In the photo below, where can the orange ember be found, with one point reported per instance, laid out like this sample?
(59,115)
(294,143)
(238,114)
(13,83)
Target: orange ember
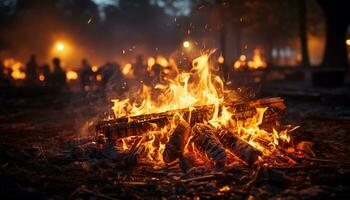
(188,90)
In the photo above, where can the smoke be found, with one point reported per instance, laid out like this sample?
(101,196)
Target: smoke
(35,27)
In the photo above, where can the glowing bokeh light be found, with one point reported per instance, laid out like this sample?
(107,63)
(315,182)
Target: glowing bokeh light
(94,68)
(71,75)
(60,46)
(348,42)
(186,44)
(221,59)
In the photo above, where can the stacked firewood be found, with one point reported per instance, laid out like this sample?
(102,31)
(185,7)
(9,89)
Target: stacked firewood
(208,140)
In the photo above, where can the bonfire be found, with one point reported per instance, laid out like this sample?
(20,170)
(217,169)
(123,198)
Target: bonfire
(192,118)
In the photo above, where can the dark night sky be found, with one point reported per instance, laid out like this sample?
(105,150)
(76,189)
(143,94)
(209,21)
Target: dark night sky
(119,30)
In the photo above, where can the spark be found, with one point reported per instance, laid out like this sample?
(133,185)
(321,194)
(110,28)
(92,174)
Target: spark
(90,20)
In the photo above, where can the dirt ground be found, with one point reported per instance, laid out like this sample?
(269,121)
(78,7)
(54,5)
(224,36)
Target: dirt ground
(33,164)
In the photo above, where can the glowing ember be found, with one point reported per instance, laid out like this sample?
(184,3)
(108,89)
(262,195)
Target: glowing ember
(191,91)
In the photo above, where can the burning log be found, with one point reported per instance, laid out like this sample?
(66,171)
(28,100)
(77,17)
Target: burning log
(131,159)
(206,142)
(240,148)
(137,125)
(174,148)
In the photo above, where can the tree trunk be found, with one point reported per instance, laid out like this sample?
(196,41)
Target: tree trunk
(337,21)
(237,42)
(303,33)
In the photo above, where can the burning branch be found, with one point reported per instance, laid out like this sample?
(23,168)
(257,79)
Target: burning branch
(137,125)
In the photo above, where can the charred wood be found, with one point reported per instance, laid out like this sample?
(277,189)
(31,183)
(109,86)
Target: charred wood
(237,146)
(174,148)
(206,142)
(138,125)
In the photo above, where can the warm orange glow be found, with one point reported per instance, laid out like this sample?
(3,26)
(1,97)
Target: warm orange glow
(162,61)
(242,58)
(41,77)
(225,188)
(71,75)
(186,90)
(62,49)
(150,62)
(258,61)
(186,44)
(16,67)
(17,74)
(240,63)
(221,59)
(60,46)
(128,70)
(99,77)
(348,42)
(94,68)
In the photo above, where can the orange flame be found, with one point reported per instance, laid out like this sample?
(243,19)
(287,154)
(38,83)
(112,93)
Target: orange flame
(187,89)
(16,67)
(257,61)
(128,70)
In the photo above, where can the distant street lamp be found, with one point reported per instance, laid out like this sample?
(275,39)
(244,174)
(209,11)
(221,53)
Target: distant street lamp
(60,46)
(186,44)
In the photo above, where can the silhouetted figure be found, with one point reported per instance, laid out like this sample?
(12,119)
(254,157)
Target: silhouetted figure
(139,68)
(115,84)
(153,76)
(31,71)
(45,71)
(4,81)
(58,75)
(85,75)
(106,71)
